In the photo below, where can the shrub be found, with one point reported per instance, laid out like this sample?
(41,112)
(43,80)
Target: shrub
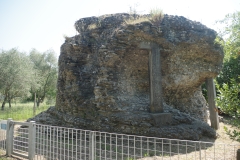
(229,98)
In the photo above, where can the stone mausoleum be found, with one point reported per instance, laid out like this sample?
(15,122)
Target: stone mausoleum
(125,74)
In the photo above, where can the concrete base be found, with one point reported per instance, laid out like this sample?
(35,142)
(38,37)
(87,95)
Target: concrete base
(162,119)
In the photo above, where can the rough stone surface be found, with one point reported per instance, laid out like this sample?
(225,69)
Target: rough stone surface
(183,126)
(103,81)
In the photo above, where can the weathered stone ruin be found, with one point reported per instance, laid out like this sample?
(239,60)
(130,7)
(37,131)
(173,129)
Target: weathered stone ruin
(109,76)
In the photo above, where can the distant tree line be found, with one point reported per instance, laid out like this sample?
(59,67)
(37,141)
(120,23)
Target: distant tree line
(24,75)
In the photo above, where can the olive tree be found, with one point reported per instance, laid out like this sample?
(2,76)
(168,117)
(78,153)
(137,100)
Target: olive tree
(16,75)
(45,65)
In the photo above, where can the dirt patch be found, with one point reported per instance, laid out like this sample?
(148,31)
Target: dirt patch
(222,137)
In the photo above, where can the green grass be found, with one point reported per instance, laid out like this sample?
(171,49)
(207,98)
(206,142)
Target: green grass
(21,111)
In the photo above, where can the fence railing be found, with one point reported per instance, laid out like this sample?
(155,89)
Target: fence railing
(21,141)
(36,141)
(3,128)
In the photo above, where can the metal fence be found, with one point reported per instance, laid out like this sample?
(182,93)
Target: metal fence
(3,126)
(60,143)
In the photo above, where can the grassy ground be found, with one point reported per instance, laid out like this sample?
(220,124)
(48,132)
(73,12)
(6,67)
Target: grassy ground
(21,111)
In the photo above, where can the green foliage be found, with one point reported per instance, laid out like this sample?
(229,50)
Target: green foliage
(228,82)
(16,75)
(231,47)
(235,122)
(146,154)
(230,71)
(232,34)
(235,135)
(229,98)
(45,65)
(22,75)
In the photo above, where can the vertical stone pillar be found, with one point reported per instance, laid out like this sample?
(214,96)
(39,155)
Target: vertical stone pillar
(211,103)
(156,104)
(155,80)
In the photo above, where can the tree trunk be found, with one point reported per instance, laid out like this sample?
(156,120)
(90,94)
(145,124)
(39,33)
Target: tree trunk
(38,103)
(9,102)
(3,105)
(34,107)
(38,100)
(4,102)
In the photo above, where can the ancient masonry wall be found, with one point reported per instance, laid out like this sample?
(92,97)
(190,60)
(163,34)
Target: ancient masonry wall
(103,68)
(104,80)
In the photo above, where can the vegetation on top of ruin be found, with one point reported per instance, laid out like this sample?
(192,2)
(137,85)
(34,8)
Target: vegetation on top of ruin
(155,17)
(133,21)
(92,26)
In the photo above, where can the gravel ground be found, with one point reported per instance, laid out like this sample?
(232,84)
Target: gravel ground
(222,138)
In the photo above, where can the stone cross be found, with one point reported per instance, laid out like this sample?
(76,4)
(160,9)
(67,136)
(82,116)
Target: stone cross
(156,102)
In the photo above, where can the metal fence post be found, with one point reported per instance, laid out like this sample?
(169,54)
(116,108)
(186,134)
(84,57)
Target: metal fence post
(91,145)
(31,140)
(9,138)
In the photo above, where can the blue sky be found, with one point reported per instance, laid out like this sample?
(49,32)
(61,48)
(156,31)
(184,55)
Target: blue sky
(41,24)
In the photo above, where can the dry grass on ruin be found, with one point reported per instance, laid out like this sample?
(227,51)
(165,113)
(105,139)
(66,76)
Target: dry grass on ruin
(155,17)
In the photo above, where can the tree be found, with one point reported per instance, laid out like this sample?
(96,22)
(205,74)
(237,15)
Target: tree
(16,78)
(228,80)
(232,32)
(231,70)
(46,70)
(231,48)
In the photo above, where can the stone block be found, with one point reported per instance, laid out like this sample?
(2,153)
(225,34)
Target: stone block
(162,119)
